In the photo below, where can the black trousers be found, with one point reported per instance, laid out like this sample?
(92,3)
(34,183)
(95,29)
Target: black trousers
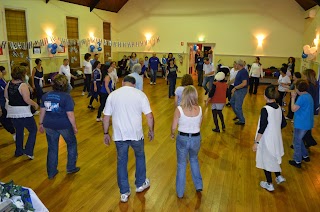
(280,99)
(268,175)
(103,99)
(308,139)
(6,122)
(200,77)
(87,82)
(254,83)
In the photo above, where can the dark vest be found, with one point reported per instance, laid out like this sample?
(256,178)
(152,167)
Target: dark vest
(15,98)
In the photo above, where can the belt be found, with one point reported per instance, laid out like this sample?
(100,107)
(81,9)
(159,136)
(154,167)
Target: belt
(189,134)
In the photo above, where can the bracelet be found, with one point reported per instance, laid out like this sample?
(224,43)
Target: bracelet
(106,133)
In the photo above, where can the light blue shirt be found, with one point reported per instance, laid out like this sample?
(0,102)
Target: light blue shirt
(139,80)
(303,118)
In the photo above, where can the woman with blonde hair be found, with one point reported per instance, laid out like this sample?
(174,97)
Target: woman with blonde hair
(189,117)
(185,81)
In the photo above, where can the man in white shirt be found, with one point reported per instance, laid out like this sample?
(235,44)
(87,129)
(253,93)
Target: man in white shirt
(126,106)
(208,75)
(136,70)
(65,70)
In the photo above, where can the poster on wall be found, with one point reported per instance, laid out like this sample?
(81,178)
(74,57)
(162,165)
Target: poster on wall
(36,50)
(62,49)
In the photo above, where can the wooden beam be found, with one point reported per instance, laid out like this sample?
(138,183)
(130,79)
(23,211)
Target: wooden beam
(93,4)
(47,1)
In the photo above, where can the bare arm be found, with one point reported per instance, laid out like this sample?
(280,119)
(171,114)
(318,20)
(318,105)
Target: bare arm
(175,120)
(106,83)
(176,100)
(32,78)
(150,120)
(243,84)
(42,115)
(105,125)
(72,120)
(294,107)
(25,93)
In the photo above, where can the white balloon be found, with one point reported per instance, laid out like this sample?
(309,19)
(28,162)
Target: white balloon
(306,48)
(59,49)
(307,51)
(313,50)
(95,50)
(311,57)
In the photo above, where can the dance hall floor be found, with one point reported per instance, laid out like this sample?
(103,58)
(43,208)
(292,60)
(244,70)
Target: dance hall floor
(230,178)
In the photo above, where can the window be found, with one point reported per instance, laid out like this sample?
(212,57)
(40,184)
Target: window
(73,48)
(107,36)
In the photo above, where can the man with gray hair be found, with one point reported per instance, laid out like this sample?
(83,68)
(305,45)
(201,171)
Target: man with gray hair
(136,70)
(126,106)
(239,92)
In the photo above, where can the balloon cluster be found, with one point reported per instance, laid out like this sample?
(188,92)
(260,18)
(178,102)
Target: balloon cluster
(54,47)
(195,47)
(309,53)
(96,48)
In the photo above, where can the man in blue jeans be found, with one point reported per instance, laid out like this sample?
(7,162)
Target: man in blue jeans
(126,106)
(154,64)
(239,92)
(208,75)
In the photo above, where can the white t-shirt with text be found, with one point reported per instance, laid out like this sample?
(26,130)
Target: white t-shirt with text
(87,67)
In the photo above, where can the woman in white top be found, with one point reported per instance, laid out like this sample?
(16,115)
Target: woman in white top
(185,81)
(268,140)
(283,82)
(133,60)
(189,117)
(230,82)
(87,70)
(18,109)
(255,73)
(113,74)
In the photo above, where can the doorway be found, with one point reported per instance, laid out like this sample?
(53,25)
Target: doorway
(194,50)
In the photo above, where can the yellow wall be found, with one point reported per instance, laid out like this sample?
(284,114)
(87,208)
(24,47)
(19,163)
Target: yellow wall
(231,24)
(41,16)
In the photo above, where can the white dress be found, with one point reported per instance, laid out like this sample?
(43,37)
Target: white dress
(270,147)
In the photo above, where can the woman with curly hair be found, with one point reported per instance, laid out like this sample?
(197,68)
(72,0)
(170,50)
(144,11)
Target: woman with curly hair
(185,81)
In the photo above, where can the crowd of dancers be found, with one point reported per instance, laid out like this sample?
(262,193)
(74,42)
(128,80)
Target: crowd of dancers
(127,104)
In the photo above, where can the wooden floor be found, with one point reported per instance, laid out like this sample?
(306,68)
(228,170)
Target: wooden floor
(230,178)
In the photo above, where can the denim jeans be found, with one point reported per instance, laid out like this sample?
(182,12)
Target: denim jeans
(53,148)
(172,85)
(298,145)
(153,75)
(69,88)
(237,101)
(205,82)
(187,146)
(20,124)
(122,162)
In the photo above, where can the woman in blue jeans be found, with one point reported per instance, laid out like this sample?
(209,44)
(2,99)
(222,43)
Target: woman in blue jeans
(303,121)
(19,111)
(57,118)
(188,116)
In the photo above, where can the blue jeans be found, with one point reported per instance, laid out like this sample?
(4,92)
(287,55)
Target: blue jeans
(19,124)
(187,146)
(298,145)
(153,75)
(205,82)
(69,88)
(122,171)
(237,102)
(53,148)
(172,85)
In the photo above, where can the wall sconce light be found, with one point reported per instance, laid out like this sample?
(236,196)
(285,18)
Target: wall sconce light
(201,39)
(316,41)
(260,39)
(91,34)
(148,36)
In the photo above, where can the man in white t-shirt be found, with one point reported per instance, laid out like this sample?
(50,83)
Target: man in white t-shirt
(126,106)
(65,70)
(208,75)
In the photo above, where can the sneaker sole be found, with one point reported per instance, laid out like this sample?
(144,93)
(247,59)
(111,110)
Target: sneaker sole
(138,191)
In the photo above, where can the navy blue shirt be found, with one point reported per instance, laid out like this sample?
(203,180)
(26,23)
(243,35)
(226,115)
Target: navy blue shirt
(57,104)
(241,75)
(154,62)
(143,69)
(199,62)
(2,87)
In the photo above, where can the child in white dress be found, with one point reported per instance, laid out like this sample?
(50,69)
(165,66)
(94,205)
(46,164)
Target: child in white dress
(268,141)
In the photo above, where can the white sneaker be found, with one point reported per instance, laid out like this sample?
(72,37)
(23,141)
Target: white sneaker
(280,179)
(99,119)
(144,186)
(154,83)
(14,136)
(36,113)
(151,83)
(82,93)
(30,157)
(267,186)
(125,197)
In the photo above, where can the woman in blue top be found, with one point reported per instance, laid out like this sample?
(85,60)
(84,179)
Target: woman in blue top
(38,80)
(303,121)
(96,85)
(57,118)
(171,76)
(6,122)
(106,89)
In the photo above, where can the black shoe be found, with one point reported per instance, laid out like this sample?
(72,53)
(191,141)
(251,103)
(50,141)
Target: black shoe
(206,92)
(240,123)
(306,159)
(291,147)
(294,163)
(216,130)
(74,170)
(199,190)
(235,118)
(228,104)
(223,127)
(53,176)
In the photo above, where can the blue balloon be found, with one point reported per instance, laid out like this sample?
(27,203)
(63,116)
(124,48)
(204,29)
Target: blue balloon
(50,45)
(53,51)
(195,47)
(54,46)
(99,49)
(92,47)
(304,56)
